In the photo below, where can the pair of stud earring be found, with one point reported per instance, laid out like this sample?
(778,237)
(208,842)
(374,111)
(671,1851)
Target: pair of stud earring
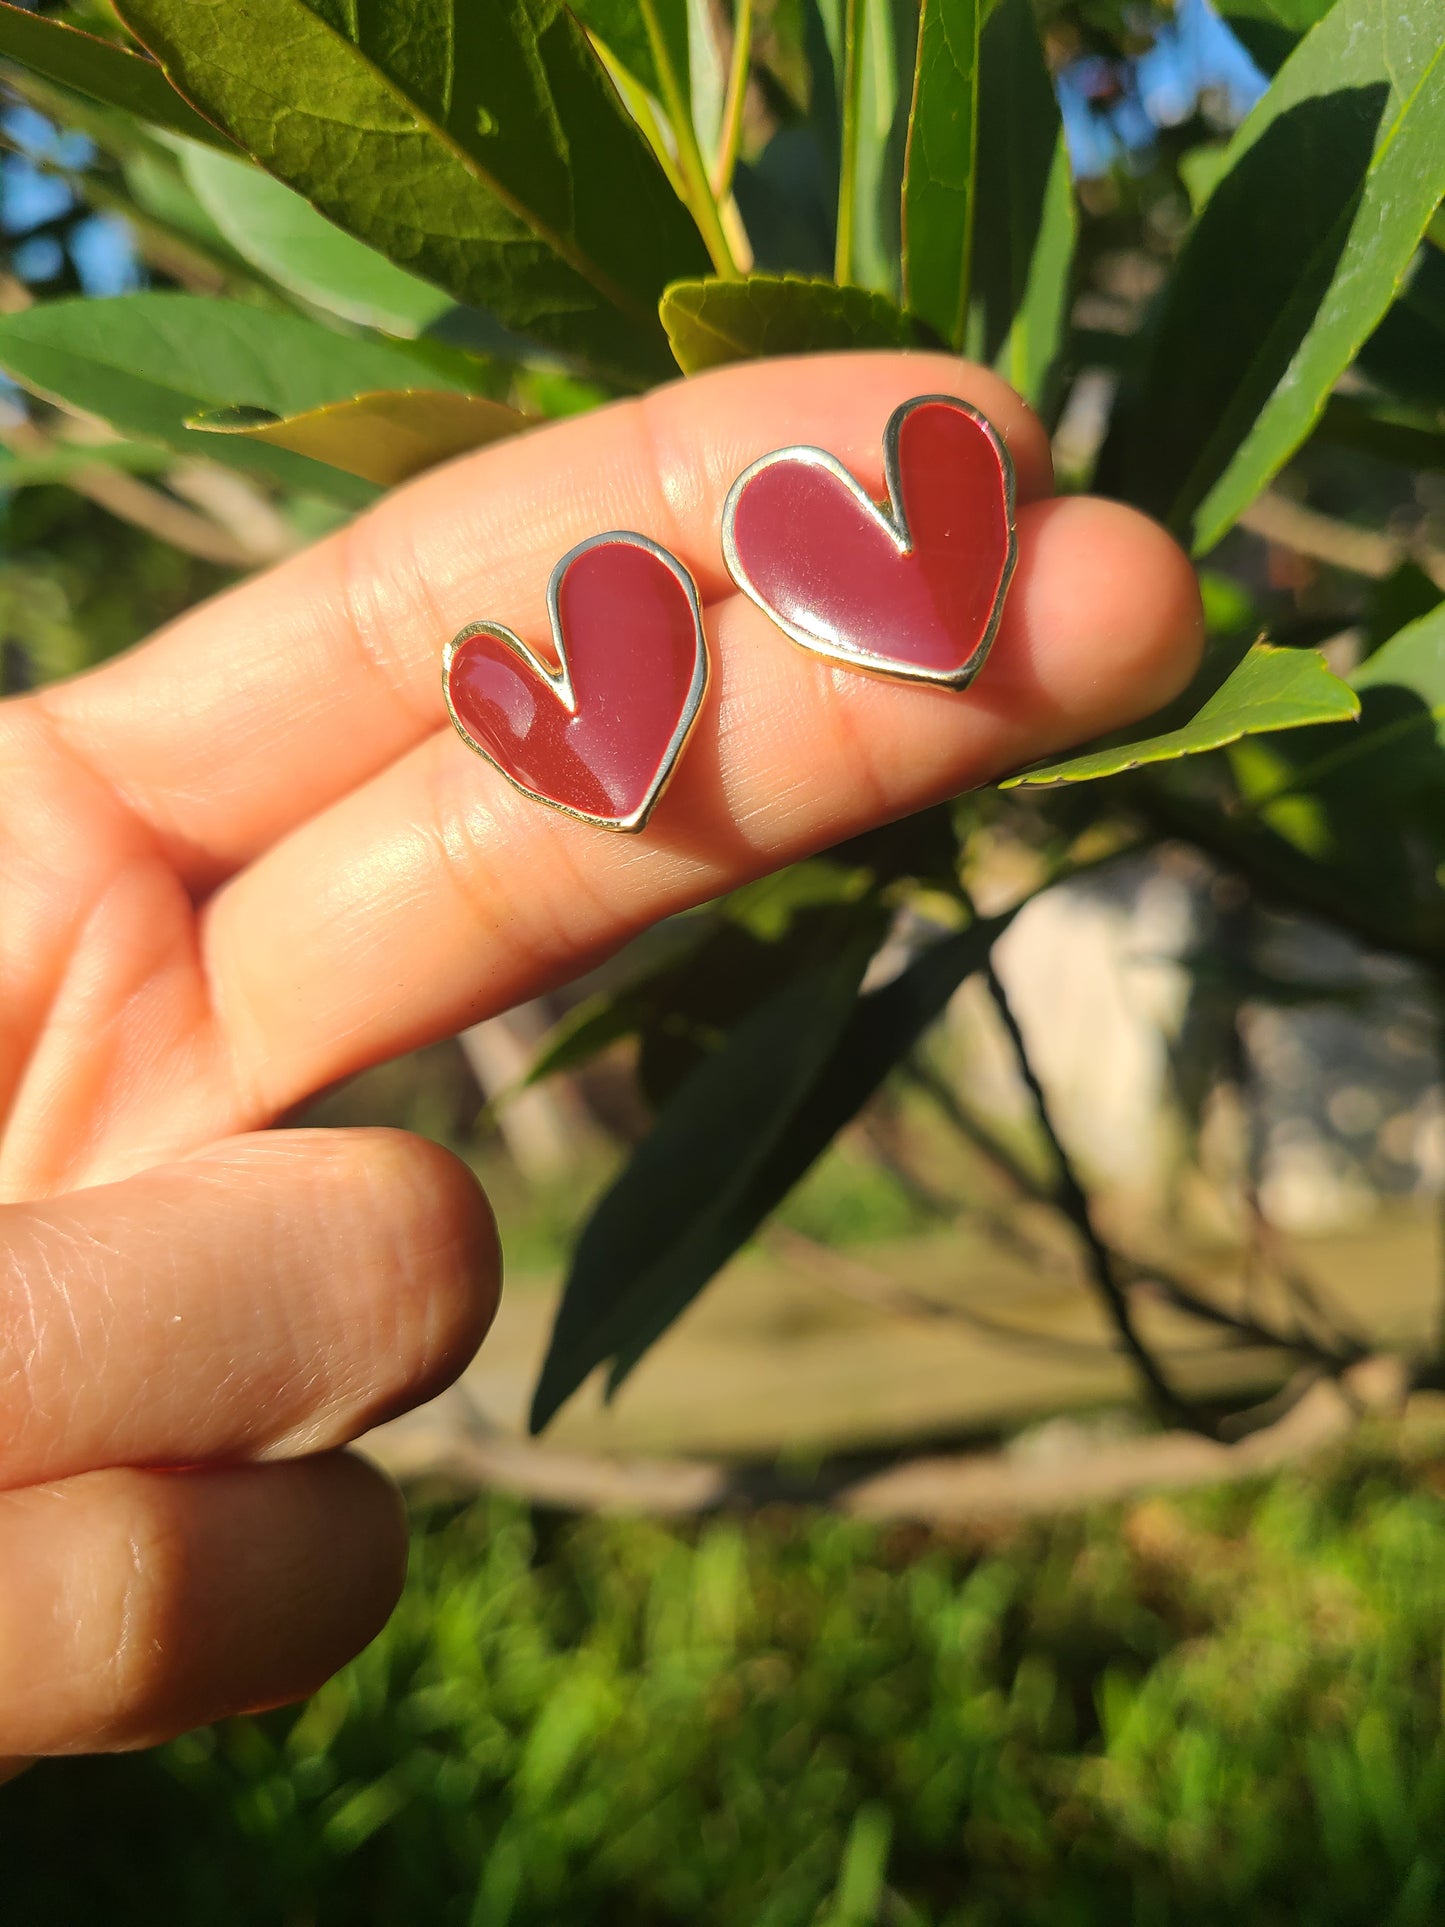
(911,589)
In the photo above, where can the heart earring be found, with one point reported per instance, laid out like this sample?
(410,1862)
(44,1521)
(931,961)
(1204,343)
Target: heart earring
(599,735)
(913,589)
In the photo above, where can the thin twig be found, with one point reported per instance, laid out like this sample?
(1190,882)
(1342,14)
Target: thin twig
(136,502)
(866,1285)
(1071,1200)
(1129,1271)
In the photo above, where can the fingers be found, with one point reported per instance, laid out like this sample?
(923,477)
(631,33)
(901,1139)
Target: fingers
(435,894)
(267,1297)
(257,709)
(135,1605)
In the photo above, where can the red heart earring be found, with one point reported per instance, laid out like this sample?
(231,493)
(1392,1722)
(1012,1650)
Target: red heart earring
(914,589)
(600,734)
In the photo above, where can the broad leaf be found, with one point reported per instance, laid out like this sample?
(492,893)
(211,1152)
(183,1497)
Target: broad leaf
(487,153)
(147,363)
(1023,246)
(939,187)
(383,437)
(712,322)
(668,1222)
(1297,255)
(1271,689)
(101,71)
(880,1032)
(278,232)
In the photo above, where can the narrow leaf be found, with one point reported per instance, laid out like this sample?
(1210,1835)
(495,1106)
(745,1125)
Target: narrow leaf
(383,437)
(275,230)
(883,1028)
(939,178)
(873,128)
(1271,689)
(667,1223)
(712,322)
(1296,256)
(147,363)
(101,71)
(487,153)
(1406,353)
(1409,437)
(1349,824)
(1025,225)
(830,1050)
(619,25)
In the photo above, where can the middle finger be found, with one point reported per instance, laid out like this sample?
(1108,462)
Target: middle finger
(268,1297)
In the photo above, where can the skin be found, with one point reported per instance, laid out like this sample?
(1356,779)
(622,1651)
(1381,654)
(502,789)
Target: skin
(251,857)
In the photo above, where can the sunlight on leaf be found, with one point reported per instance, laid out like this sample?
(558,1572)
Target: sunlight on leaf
(384,437)
(1271,689)
(712,322)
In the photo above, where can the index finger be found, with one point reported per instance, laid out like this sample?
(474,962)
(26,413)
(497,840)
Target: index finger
(257,709)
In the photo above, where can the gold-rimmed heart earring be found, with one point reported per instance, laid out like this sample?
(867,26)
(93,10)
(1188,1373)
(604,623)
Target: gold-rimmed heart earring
(598,734)
(912,588)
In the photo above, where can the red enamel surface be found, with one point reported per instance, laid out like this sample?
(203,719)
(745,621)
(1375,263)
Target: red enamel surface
(829,570)
(632,650)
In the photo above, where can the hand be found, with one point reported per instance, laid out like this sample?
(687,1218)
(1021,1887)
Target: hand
(252,857)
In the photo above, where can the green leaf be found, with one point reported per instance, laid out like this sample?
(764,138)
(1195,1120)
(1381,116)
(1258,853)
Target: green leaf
(1349,824)
(282,235)
(881,1030)
(939,179)
(671,1219)
(1025,227)
(384,437)
(1405,436)
(872,53)
(101,71)
(1297,16)
(1401,598)
(1271,689)
(1406,354)
(620,26)
(481,147)
(147,363)
(755,939)
(1299,251)
(712,322)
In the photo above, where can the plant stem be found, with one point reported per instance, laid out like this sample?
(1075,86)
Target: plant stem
(848,157)
(737,93)
(1075,1206)
(699,196)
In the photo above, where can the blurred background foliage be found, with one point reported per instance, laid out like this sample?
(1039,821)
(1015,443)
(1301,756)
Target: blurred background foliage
(1226,1707)
(1111,1090)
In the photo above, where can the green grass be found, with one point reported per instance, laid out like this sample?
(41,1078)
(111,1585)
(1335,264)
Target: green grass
(1225,1709)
